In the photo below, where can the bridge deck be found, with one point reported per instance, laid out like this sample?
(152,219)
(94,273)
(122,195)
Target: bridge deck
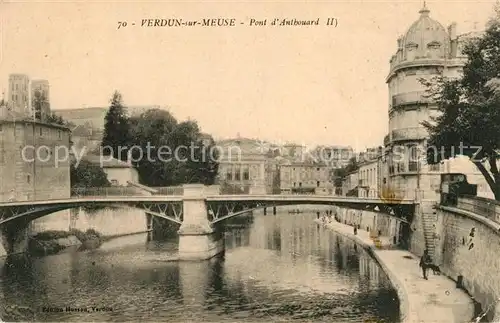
(212,198)
(307,198)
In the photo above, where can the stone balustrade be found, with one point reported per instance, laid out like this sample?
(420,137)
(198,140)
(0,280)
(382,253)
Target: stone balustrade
(487,208)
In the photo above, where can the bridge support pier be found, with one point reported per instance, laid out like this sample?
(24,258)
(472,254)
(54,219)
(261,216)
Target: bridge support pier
(197,239)
(15,239)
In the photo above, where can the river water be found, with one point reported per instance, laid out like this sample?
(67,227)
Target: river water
(277,268)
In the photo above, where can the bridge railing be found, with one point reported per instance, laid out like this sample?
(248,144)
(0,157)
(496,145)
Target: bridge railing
(390,194)
(106,191)
(481,206)
(169,190)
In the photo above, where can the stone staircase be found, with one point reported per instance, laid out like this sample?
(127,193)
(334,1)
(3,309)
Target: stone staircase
(429,220)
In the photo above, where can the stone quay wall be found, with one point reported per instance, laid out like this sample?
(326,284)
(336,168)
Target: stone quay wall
(475,258)
(469,247)
(404,304)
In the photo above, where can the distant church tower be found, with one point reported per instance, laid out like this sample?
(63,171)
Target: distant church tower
(426,50)
(18,96)
(40,92)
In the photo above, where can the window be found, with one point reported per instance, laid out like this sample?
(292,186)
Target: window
(237,176)
(294,184)
(17,87)
(59,134)
(28,178)
(434,167)
(41,131)
(300,184)
(246,175)
(317,169)
(2,152)
(229,176)
(114,182)
(317,184)
(434,45)
(413,162)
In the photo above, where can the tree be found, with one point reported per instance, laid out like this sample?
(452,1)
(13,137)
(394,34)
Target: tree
(469,119)
(202,165)
(87,175)
(116,129)
(151,129)
(56,119)
(352,166)
(178,153)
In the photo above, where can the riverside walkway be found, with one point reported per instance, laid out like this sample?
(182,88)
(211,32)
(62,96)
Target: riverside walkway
(433,300)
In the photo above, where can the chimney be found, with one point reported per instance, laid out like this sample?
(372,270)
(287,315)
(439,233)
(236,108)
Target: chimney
(452,30)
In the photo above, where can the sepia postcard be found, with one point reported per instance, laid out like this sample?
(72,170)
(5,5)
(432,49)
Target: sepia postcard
(238,161)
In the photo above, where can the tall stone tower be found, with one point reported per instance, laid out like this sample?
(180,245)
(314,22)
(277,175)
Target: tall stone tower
(426,50)
(19,93)
(40,98)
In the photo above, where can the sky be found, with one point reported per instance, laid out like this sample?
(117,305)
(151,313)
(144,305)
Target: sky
(312,85)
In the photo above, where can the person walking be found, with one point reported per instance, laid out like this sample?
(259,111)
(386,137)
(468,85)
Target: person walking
(425,261)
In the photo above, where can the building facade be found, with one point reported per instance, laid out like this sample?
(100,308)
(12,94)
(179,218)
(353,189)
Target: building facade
(28,98)
(425,51)
(350,184)
(334,156)
(302,178)
(368,178)
(19,93)
(119,173)
(35,165)
(242,166)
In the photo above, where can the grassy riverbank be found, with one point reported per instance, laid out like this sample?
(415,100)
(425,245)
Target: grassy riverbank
(51,242)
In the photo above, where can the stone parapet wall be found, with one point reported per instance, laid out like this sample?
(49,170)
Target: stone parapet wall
(374,222)
(476,258)
(109,222)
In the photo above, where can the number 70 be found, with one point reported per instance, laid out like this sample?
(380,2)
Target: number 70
(122,24)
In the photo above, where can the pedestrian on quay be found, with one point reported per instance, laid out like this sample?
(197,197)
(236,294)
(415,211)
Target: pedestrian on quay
(425,261)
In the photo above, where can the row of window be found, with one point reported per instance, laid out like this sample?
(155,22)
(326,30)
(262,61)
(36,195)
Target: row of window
(300,184)
(41,132)
(368,176)
(15,97)
(303,169)
(237,176)
(401,167)
(15,86)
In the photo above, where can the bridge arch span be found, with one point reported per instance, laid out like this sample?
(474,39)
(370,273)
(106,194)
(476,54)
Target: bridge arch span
(25,213)
(219,211)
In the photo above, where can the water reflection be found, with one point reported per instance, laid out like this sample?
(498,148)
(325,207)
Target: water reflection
(282,267)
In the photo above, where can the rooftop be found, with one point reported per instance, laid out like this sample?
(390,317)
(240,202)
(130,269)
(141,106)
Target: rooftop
(106,161)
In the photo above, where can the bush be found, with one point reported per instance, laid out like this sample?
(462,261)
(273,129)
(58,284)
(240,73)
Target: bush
(51,235)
